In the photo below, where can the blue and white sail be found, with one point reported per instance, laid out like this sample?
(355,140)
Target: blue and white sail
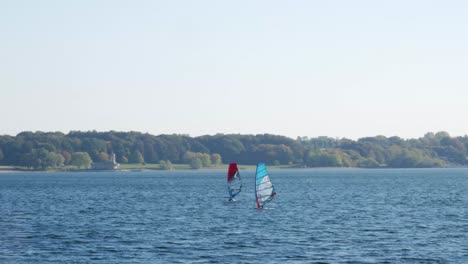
(264,190)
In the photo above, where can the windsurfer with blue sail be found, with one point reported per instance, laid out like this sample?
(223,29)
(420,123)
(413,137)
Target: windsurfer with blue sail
(234,183)
(264,190)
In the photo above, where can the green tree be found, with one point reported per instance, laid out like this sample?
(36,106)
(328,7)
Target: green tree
(205,159)
(441,134)
(196,164)
(189,156)
(136,157)
(368,163)
(81,159)
(228,146)
(59,160)
(67,157)
(40,159)
(165,165)
(39,150)
(53,160)
(324,159)
(103,156)
(150,156)
(216,159)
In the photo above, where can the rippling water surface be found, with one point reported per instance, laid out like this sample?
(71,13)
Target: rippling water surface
(319,216)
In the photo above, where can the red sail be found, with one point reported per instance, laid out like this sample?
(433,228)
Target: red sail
(231,171)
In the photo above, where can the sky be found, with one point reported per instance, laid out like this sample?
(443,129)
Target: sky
(344,69)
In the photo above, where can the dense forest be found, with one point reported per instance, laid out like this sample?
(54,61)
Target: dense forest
(41,150)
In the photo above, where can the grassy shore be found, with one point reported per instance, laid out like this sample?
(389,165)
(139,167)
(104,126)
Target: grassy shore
(7,168)
(152,166)
(130,167)
(187,167)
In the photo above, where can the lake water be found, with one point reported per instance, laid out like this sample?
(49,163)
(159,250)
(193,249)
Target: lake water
(318,216)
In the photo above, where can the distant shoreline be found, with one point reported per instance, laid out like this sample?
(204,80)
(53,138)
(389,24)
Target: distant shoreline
(218,168)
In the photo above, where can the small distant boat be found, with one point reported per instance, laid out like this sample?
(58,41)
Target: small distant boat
(234,182)
(264,190)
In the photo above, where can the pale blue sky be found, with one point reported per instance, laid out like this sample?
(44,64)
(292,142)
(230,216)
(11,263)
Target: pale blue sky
(294,68)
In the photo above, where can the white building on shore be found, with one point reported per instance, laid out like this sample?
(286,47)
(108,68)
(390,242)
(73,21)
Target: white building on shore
(111,164)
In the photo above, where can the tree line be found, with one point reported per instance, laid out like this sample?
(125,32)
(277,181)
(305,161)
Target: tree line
(40,150)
